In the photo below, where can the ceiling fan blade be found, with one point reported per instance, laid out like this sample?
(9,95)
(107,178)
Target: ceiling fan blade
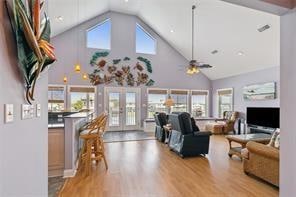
(205,66)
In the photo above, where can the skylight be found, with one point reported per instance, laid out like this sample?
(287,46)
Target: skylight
(145,43)
(99,36)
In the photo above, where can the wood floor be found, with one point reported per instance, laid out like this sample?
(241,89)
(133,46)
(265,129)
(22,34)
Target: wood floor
(148,168)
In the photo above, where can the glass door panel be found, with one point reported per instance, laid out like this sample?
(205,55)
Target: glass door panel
(130,109)
(123,105)
(114,109)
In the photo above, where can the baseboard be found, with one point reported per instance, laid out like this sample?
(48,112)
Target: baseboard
(71,172)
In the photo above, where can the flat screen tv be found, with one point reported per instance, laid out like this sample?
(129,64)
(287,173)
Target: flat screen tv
(263,117)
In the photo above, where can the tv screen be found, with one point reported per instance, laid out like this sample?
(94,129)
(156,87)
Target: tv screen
(264,117)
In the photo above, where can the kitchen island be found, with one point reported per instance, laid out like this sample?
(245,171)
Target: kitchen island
(63,143)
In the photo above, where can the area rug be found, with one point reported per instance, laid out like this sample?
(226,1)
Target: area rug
(123,136)
(55,184)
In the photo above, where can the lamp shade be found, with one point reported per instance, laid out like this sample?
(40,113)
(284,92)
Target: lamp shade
(77,68)
(169,102)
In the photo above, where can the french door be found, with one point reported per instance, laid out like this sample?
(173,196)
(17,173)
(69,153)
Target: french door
(123,107)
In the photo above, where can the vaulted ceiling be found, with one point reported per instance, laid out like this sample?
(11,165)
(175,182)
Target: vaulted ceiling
(230,29)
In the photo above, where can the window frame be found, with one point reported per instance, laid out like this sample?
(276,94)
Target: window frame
(149,34)
(163,89)
(188,108)
(207,102)
(218,100)
(95,26)
(81,86)
(65,94)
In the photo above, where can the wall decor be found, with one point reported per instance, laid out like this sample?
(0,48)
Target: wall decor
(32,34)
(28,111)
(120,71)
(264,91)
(9,113)
(38,110)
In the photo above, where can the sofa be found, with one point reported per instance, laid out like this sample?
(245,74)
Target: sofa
(160,121)
(184,140)
(262,161)
(224,125)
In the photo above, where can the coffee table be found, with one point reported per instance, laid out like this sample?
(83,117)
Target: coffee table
(243,140)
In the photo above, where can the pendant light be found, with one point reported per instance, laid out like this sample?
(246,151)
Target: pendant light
(84,76)
(77,66)
(65,79)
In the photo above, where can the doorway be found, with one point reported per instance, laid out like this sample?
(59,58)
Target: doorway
(123,107)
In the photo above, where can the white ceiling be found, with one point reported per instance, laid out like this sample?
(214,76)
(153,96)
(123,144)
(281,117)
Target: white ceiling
(221,26)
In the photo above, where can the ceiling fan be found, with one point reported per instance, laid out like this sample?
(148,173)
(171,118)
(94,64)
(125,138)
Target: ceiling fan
(194,66)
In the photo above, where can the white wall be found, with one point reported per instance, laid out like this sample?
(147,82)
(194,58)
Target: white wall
(238,82)
(23,143)
(166,70)
(288,105)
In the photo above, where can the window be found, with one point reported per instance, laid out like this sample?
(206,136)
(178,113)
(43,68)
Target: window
(82,98)
(180,98)
(199,103)
(145,43)
(56,98)
(225,98)
(156,99)
(99,37)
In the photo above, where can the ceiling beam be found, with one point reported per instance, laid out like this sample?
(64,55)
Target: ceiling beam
(283,3)
(262,5)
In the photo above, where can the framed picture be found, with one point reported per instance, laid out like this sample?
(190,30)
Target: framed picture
(9,113)
(28,111)
(264,91)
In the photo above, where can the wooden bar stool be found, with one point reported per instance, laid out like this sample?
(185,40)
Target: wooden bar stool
(93,145)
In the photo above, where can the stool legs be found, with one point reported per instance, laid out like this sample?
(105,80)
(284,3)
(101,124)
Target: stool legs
(90,147)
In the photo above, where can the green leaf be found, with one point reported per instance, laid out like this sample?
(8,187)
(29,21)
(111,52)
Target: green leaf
(45,35)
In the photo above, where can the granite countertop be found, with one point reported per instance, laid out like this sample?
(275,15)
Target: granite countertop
(56,125)
(79,115)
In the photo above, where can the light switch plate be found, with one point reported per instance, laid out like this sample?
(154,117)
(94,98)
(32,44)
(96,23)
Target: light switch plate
(9,113)
(38,110)
(28,111)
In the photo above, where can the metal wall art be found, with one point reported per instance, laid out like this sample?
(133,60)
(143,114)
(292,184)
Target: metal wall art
(32,36)
(120,71)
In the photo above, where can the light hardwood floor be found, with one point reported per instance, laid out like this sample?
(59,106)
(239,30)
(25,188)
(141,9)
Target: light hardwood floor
(149,168)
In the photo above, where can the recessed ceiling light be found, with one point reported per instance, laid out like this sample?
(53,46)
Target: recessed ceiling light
(240,53)
(126,1)
(172,31)
(59,18)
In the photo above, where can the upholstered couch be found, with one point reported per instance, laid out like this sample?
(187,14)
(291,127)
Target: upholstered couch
(225,125)
(184,140)
(262,161)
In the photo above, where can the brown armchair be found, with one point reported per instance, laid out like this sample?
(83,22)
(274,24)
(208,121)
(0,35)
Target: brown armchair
(262,161)
(225,125)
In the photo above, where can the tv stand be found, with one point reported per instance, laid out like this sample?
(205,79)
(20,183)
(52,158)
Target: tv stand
(258,129)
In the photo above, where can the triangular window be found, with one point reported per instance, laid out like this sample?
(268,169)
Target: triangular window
(145,43)
(99,36)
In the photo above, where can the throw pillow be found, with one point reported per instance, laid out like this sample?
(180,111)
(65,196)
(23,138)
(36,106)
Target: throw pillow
(273,138)
(277,142)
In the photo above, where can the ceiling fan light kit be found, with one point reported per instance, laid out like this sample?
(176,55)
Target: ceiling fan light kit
(195,66)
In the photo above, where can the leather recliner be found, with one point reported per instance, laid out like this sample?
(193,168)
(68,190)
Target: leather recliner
(160,120)
(184,140)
